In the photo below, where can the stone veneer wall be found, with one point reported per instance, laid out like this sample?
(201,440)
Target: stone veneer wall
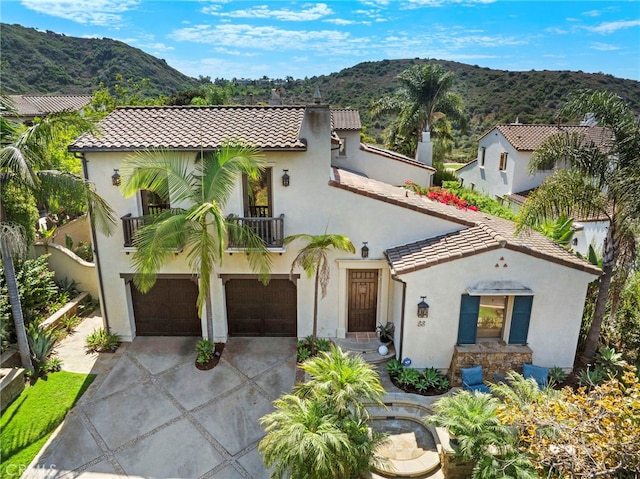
(494,357)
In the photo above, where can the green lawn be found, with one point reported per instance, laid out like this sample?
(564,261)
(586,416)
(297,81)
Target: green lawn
(454,166)
(29,421)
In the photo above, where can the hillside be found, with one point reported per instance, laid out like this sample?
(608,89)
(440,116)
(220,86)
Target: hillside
(47,62)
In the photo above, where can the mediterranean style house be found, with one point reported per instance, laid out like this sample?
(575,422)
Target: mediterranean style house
(501,171)
(485,295)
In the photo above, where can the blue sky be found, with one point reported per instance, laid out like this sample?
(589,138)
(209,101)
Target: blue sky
(249,39)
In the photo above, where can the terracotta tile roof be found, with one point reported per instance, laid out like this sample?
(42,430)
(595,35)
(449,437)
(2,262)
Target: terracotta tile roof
(41,105)
(195,127)
(345,119)
(529,137)
(394,156)
(479,231)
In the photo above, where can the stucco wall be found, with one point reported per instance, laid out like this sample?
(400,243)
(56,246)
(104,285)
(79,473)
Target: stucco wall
(555,316)
(66,265)
(79,230)
(378,167)
(492,182)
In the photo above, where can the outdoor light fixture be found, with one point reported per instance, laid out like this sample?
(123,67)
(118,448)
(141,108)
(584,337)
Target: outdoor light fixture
(285,178)
(115,178)
(423,308)
(365,250)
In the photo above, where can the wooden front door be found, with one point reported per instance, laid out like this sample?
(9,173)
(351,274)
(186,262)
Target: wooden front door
(363,300)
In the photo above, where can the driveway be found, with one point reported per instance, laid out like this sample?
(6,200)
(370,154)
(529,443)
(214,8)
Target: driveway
(156,416)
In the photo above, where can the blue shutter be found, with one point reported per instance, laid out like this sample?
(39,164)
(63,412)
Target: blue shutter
(468,324)
(520,319)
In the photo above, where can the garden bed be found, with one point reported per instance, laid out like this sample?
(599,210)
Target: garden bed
(68,310)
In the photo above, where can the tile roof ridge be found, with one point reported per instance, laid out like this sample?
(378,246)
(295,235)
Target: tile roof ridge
(210,107)
(501,240)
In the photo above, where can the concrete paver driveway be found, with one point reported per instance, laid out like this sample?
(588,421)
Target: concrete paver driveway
(156,416)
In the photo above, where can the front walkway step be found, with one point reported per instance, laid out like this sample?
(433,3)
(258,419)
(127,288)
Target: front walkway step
(368,350)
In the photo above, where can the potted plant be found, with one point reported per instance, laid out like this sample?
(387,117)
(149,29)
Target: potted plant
(385,332)
(208,354)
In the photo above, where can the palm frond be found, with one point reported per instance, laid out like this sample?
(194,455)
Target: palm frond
(53,182)
(166,173)
(563,193)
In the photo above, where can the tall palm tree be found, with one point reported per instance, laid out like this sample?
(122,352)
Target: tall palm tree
(12,244)
(592,180)
(423,100)
(313,258)
(24,159)
(200,227)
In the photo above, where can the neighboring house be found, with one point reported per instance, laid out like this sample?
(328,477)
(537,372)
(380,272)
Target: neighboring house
(501,171)
(28,107)
(495,299)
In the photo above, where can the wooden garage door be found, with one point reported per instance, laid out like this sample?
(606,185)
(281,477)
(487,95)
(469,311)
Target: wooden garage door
(168,309)
(254,309)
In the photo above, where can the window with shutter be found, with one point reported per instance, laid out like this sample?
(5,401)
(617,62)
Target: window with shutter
(468,324)
(520,319)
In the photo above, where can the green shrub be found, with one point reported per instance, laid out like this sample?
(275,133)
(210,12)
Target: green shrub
(394,367)
(101,341)
(590,378)
(205,349)
(484,203)
(42,343)
(408,377)
(19,206)
(556,376)
(69,323)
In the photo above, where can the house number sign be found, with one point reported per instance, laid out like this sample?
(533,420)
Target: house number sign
(421,324)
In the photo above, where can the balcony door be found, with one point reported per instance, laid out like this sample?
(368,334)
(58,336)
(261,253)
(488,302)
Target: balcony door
(258,195)
(152,203)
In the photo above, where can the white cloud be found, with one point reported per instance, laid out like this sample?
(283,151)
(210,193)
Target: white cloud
(94,12)
(309,12)
(592,13)
(612,27)
(604,47)
(265,38)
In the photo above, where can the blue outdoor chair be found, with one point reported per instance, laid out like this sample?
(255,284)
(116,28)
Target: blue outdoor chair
(538,373)
(473,379)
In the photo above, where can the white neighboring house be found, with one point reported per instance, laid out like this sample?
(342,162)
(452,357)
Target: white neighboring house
(495,299)
(501,171)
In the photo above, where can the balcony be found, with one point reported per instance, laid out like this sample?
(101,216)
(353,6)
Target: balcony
(271,230)
(131,224)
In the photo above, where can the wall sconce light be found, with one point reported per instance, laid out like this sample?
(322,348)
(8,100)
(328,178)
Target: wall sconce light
(285,178)
(423,308)
(365,250)
(115,178)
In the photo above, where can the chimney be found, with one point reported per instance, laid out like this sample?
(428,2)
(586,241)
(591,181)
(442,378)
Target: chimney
(424,152)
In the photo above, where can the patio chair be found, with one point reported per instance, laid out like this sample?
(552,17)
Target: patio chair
(538,373)
(473,379)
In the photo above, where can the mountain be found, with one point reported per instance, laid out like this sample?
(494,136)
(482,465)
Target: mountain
(47,62)
(51,63)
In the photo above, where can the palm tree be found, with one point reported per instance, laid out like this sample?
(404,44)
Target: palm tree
(24,159)
(12,244)
(593,180)
(344,380)
(320,431)
(313,259)
(423,100)
(201,227)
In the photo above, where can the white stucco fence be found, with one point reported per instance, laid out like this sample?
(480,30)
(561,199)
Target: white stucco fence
(67,265)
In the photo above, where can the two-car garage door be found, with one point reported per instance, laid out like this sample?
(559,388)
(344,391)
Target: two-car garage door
(253,309)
